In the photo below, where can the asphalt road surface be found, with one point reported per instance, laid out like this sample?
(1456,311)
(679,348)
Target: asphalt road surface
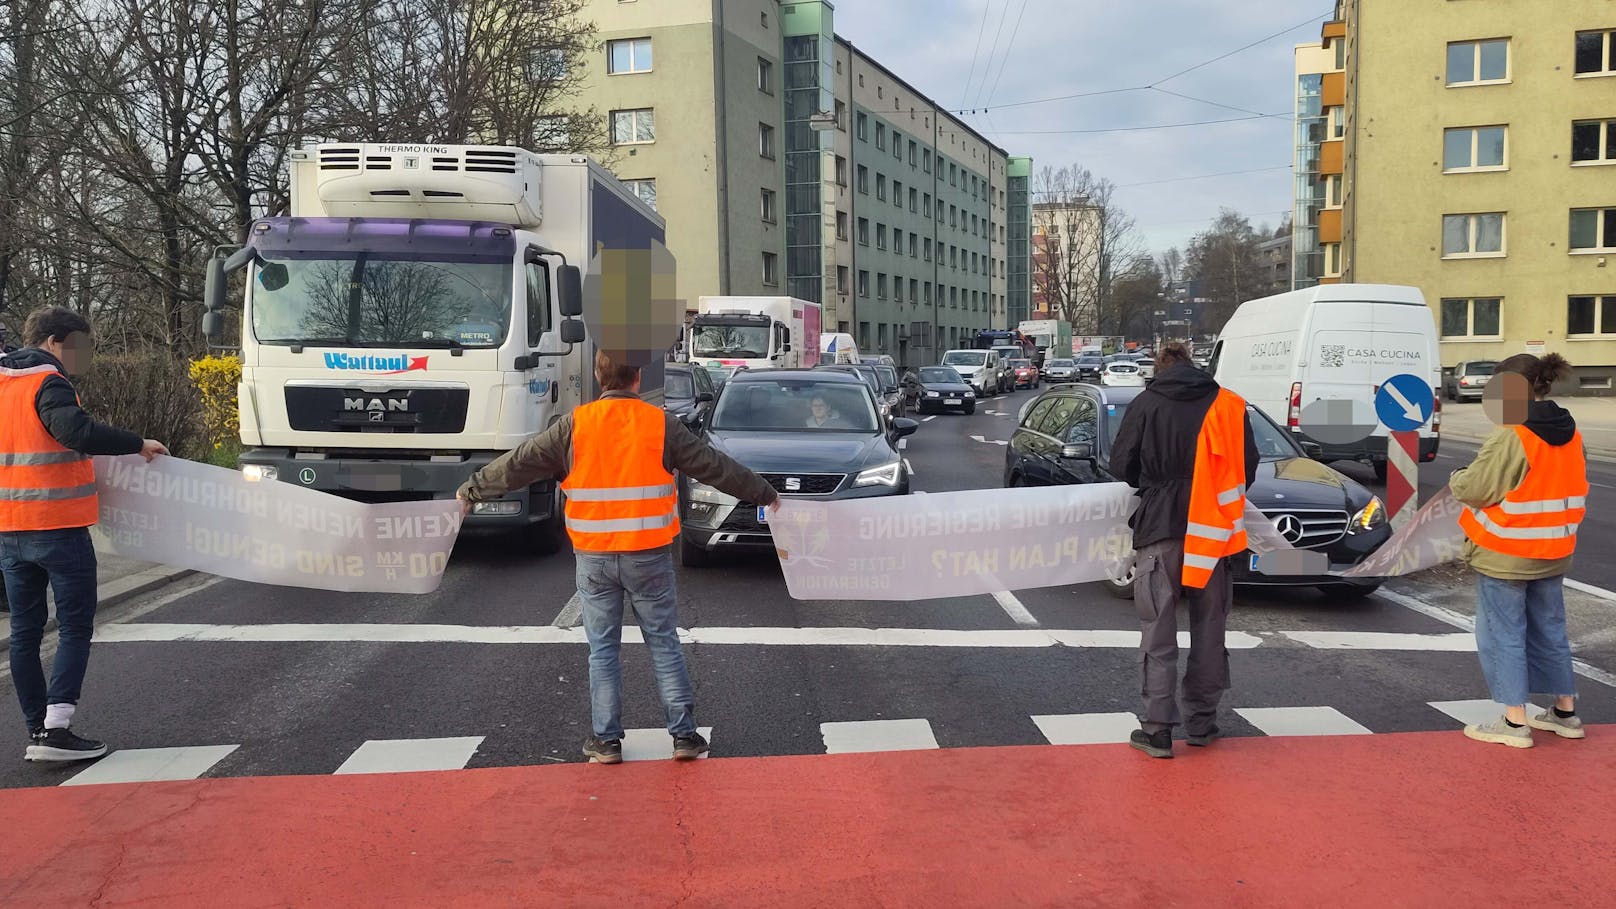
(220,678)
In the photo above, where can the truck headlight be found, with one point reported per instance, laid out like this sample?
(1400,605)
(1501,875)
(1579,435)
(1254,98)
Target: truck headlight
(1370,516)
(505,508)
(254,473)
(885,475)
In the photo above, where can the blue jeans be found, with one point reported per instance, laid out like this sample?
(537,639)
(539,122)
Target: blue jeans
(1521,638)
(64,560)
(647,577)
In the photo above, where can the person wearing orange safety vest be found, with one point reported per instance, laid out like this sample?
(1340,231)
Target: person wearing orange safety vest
(47,505)
(1524,495)
(618,457)
(1186,445)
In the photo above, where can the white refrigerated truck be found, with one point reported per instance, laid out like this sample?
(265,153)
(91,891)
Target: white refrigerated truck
(755,332)
(417,314)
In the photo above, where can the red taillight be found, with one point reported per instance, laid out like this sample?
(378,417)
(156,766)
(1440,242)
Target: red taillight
(1293,420)
(1436,414)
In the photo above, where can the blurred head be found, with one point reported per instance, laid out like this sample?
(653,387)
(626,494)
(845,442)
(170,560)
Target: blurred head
(1517,382)
(819,406)
(613,377)
(1170,355)
(62,333)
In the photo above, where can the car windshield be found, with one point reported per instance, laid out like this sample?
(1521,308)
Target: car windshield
(939,375)
(965,358)
(370,300)
(889,376)
(1055,363)
(749,342)
(795,405)
(1090,361)
(1271,440)
(1120,366)
(1021,364)
(1479,369)
(678,385)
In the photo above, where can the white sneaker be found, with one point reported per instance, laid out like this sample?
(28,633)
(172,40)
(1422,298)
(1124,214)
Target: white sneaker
(1500,732)
(1566,727)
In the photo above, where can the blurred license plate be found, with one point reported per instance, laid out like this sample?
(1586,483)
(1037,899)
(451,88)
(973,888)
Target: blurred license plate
(951,401)
(1254,558)
(763,514)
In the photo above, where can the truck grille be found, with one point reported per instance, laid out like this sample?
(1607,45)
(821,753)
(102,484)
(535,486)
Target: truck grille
(1319,526)
(407,410)
(339,159)
(810,484)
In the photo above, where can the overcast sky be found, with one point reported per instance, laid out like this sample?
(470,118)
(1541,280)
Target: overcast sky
(1065,47)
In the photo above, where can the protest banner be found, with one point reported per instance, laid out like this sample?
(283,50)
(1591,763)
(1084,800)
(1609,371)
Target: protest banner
(210,519)
(1431,538)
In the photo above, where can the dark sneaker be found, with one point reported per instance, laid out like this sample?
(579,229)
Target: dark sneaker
(1203,739)
(602,751)
(689,747)
(62,745)
(1155,744)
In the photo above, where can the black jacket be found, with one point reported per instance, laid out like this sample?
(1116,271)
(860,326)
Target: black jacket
(1550,422)
(1155,451)
(58,407)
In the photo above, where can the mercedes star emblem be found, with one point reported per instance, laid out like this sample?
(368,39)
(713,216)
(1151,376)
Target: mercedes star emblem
(1289,527)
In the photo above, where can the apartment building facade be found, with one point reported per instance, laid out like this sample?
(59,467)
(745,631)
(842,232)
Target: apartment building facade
(788,162)
(1313,61)
(1469,152)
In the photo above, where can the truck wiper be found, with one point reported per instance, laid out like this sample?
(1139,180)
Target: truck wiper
(450,343)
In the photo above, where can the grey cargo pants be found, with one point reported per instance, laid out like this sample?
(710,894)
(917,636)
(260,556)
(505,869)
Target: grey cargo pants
(1157,594)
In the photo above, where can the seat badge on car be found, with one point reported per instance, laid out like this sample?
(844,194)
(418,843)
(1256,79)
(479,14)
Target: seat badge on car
(793,484)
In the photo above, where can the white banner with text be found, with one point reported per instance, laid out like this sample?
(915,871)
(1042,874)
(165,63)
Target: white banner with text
(210,519)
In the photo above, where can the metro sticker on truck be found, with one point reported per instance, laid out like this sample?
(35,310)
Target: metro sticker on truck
(375,365)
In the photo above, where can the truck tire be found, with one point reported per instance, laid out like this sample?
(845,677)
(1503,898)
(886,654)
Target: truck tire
(545,537)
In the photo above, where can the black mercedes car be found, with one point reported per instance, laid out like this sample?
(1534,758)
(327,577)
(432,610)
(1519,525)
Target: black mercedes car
(809,432)
(688,392)
(936,389)
(1064,436)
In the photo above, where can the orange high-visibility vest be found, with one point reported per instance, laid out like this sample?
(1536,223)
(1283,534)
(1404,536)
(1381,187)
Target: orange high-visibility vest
(1217,525)
(43,486)
(1537,519)
(619,496)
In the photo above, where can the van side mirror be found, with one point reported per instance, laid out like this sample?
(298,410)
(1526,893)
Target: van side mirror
(570,294)
(572,331)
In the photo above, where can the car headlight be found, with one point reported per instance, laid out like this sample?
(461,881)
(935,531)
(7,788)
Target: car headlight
(254,473)
(885,475)
(970,394)
(701,492)
(1370,516)
(934,394)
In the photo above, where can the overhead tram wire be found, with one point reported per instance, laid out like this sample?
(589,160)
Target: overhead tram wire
(981,32)
(994,51)
(1008,48)
(1134,129)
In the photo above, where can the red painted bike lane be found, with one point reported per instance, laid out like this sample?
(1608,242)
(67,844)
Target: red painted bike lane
(1402,819)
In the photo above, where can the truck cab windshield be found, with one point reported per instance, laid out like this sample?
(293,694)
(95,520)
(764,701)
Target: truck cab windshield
(371,300)
(747,342)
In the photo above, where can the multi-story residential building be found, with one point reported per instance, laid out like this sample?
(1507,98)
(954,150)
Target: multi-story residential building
(1475,153)
(1313,61)
(1065,264)
(786,161)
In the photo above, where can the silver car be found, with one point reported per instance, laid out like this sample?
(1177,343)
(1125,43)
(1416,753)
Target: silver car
(1467,380)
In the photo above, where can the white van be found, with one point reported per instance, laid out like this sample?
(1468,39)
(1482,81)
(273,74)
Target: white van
(1338,343)
(981,369)
(837,349)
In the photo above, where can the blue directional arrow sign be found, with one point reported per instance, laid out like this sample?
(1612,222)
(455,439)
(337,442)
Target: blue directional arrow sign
(1405,402)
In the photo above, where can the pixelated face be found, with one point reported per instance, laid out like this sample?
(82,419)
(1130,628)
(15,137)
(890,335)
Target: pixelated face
(77,351)
(1505,398)
(631,307)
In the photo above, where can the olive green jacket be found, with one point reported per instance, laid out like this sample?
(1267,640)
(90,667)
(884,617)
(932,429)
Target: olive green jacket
(1499,467)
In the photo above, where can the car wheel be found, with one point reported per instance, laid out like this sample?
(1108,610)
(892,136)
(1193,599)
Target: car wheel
(1015,481)
(1122,587)
(1347,593)
(691,555)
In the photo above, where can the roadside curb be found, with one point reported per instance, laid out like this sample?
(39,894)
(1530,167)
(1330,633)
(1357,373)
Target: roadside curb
(127,588)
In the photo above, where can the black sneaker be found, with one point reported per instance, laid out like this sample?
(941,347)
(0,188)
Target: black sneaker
(1203,739)
(1155,744)
(689,747)
(602,751)
(62,745)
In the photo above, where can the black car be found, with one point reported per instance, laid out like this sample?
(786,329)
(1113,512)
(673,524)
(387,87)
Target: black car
(937,389)
(809,432)
(688,392)
(1065,436)
(891,390)
(1088,369)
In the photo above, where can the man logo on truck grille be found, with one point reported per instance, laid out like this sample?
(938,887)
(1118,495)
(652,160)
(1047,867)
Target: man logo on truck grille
(377,406)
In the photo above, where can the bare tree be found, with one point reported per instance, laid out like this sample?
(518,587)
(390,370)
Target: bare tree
(1088,243)
(1224,259)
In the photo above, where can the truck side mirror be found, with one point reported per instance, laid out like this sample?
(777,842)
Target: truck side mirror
(571,294)
(572,330)
(214,288)
(212,325)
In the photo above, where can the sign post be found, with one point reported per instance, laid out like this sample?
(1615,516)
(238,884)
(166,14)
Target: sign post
(1404,403)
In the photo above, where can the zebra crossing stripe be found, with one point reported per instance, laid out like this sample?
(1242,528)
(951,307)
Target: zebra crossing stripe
(411,755)
(654,744)
(877,735)
(1279,721)
(151,765)
(1475,712)
(1087,728)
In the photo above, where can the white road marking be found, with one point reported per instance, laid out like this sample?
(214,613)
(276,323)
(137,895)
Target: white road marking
(153,632)
(1301,721)
(1476,712)
(571,613)
(151,765)
(1459,620)
(877,735)
(1014,608)
(1591,590)
(654,744)
(909,467)
(1457,642)
(411,755)
(928,419)
(990,441)
(1087,728)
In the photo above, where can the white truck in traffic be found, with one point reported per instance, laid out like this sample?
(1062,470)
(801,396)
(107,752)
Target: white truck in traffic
(417,314)
(755,332)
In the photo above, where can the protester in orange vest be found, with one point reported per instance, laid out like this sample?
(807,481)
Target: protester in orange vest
(1186,445)
(1525,494)
(618,456)
(47,505)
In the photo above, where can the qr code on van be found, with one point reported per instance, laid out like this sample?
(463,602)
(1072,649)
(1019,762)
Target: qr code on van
(1334,355)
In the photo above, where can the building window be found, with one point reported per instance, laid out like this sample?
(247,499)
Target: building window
(1593,230)
(1478,62)
(1332,191)
(1590,315)
(629,56)
(766,140)
(771,269)
(914,291)
(841,225)
(926,207)
(1593,142)
(633,127)
(897,193)
(953,176)
(914,199)
(1596,53)
(1336,121)
(914,246)
(645,189)
(925,159)
(881,187)
(841,171)
(863,283)
(928,249)
(765,76)
(864,231)
(897,241)
(926,292)
(863,127)
(880,286)
(880,236)
(881,136)
(841,279)
(768,206)
(1477,318)
(841,116)
(863,179)
(914,157)
(1473,235)
(1473,148)
(897,288)
(897,147)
